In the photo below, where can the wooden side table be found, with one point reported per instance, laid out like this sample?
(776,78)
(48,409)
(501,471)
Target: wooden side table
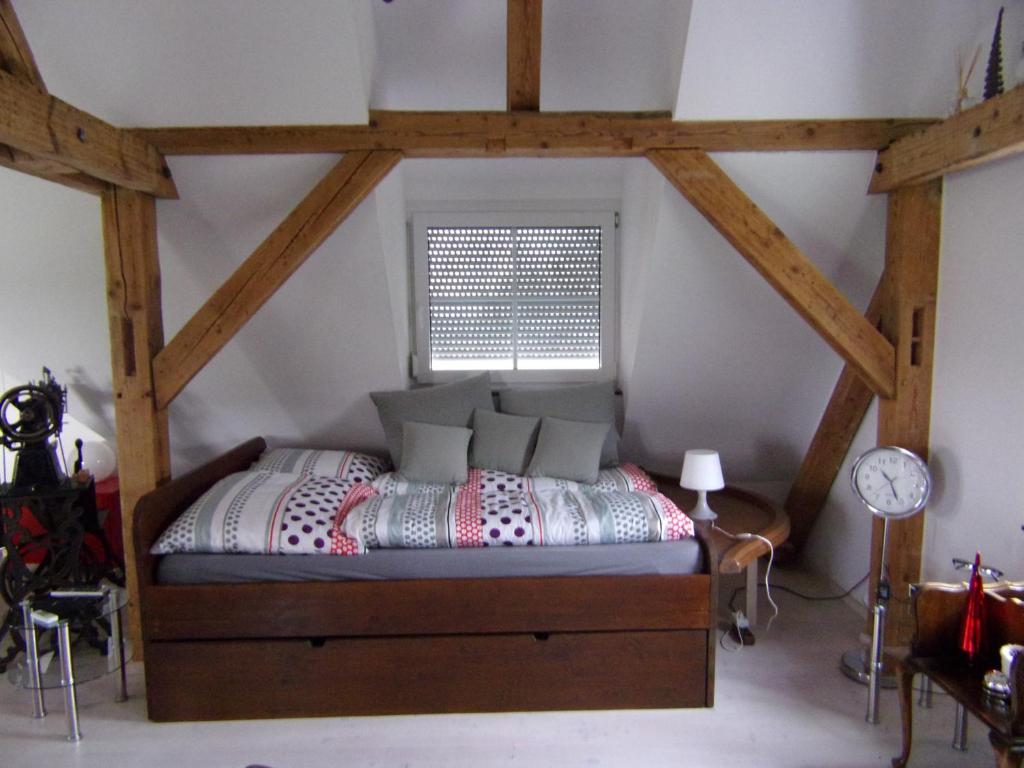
(738,512)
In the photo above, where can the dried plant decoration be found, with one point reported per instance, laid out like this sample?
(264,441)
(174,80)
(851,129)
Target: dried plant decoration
(964,77)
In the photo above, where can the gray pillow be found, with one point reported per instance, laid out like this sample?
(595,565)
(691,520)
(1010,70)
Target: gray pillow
(568,449)
(577,402)
(432,453)
(449,404)
(502,441)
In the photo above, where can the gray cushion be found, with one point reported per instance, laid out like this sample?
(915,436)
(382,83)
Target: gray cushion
(449,404)
(432,453)
(577,402)
(568,449)
(502,441)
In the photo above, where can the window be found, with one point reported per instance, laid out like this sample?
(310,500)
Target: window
(527,296)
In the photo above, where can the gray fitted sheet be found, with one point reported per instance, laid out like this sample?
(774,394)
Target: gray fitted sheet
(668,557)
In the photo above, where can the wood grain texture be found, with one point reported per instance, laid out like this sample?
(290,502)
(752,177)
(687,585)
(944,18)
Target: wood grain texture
(913,233)
(538,134)
(62,174)
(422,645)
(431,674)
(15,54)
(16,59)
(311,222)
(523,34)
(986,132)
(749,230)
(136,334)
(47,128)
(831,443)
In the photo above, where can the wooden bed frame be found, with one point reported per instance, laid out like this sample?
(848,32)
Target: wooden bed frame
(297,649)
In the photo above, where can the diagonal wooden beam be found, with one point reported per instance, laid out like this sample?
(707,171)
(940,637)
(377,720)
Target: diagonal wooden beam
(283,251)
(47,128)
(782,264)
(534,134)
(831,442)
(16,59)
(15,55)
(988,131)
(523,28)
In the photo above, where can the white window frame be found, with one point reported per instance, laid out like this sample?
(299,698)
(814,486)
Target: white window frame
(605,219)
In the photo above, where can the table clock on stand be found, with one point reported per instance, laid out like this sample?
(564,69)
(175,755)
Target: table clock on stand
(893,484)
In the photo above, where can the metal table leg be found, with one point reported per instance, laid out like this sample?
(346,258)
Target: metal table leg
(67,680)
(925,699)
(117,645)
(960,728)
(752,592)
(35,681)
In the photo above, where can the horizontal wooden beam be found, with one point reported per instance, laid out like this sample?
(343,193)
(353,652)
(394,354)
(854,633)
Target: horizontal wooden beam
(47,128)
(267,268)
(534,134)
(986,132)
(710,190)
(522,65)
(831,442)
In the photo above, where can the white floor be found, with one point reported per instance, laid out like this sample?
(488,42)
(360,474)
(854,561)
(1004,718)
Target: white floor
(781,702)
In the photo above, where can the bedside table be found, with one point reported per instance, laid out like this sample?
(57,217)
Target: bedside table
(738,512)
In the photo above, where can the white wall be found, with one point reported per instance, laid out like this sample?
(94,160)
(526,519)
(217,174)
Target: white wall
(978,400)
(723,362)
(977,404)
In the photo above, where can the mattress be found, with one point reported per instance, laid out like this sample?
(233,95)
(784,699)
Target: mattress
(655,558)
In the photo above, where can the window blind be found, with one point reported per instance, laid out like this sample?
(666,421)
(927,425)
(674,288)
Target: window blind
(514,298)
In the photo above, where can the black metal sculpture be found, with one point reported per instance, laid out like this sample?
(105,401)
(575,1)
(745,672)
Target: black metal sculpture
(49,524)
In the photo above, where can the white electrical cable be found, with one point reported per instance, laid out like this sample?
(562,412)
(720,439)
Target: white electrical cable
(767,570)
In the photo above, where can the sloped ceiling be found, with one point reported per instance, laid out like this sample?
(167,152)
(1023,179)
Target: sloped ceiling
(301,369)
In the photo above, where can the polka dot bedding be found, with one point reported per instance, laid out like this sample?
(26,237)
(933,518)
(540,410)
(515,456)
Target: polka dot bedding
(291,513)
(498,509)
(344,465)
(264,513)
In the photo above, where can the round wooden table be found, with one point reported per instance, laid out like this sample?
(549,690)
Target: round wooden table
(738,512)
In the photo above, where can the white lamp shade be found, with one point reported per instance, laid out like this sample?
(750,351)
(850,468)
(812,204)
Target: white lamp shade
(100,459)
(702,470)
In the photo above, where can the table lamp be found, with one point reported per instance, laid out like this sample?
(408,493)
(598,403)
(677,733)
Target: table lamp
(702,472)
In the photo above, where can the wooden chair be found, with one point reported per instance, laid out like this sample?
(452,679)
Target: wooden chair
(935,652)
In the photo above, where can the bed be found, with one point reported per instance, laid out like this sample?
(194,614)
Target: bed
(250,635)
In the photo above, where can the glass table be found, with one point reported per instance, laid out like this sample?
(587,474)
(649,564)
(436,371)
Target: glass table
(71,636)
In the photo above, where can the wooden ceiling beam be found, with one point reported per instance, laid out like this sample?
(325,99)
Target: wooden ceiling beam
(51,171)
(15,55)
(523,33)
(312,221)
(47,128)
(986,132)
(710,190)
(831,443)
(542,134)
(17,60)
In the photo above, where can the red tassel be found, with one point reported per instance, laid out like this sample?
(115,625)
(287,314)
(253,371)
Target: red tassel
(974,614)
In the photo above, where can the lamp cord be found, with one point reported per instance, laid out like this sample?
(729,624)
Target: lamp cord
(767,570)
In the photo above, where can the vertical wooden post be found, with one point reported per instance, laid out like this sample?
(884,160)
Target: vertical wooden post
(913,233)
(136,335)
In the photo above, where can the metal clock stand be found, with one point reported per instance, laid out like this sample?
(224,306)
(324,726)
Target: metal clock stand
(892,483)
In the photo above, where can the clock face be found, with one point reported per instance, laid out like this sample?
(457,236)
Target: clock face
(892,482)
